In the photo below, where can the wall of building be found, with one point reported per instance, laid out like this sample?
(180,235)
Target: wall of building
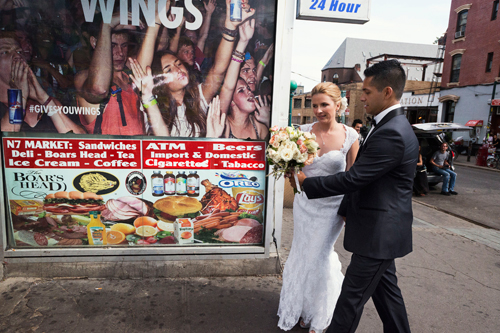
(472,105)
(481,37)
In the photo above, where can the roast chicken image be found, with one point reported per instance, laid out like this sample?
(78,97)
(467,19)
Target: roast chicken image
(216,198)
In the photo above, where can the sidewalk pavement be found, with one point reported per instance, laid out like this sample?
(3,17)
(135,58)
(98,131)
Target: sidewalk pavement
(462,161)
(450,284)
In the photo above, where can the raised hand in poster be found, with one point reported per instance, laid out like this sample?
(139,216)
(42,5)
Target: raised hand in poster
(263,112)
(264,62)
(237,98)
(144,83)
(19,77)
(216,120)
(210,6)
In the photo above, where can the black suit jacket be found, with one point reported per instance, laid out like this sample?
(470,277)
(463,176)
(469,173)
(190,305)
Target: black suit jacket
(378,189)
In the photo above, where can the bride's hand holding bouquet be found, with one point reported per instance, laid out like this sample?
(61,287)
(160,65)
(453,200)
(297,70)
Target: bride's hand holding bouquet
(290,150)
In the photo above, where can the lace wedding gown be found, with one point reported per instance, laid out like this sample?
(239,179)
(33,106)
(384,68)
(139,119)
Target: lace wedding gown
(312,278)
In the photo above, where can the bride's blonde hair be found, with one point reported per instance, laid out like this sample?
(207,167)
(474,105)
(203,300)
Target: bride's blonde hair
(329,89)
(332,90)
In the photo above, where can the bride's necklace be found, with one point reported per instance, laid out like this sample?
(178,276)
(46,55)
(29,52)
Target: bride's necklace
(321,136)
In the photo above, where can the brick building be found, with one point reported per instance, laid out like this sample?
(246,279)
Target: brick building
(471,67)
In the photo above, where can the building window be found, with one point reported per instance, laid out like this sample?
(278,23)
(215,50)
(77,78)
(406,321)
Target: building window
(308,103)
(449,112)
(455,67)
(461,23)
(495,10)
(489,62)
(297,103)
(324,78)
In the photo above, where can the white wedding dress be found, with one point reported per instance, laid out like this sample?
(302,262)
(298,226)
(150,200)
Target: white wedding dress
(312,278)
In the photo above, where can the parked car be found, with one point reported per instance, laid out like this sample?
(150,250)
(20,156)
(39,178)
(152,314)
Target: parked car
(431,136)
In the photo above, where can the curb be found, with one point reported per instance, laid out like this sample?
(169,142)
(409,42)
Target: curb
(453,214)
(475,166)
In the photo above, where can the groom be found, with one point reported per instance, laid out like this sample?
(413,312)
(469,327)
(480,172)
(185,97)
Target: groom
(377,204)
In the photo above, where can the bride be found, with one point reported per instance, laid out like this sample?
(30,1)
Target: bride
(312,278)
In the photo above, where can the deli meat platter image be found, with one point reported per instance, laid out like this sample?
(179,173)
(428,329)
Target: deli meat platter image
(65,218)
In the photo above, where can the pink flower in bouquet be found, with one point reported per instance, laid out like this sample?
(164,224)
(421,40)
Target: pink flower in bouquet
(310,159)
(283,136)
(299,142)
(275,128)
(273,138)
(303,148)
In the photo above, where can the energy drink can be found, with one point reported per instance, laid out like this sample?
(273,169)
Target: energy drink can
(235,14)
(15,101)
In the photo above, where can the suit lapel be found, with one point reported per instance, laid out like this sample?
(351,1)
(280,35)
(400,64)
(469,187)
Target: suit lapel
(389,116)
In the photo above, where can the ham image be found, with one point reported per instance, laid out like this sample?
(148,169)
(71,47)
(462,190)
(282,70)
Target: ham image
(126,208)
(241,234)
(248,223)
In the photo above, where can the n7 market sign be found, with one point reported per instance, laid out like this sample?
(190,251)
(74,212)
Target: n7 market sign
(354,11)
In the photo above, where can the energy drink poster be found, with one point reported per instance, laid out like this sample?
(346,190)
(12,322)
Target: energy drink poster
(168,68)
(142,192)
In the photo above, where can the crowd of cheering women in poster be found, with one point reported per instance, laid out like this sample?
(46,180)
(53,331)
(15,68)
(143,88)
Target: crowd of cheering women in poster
(106,77)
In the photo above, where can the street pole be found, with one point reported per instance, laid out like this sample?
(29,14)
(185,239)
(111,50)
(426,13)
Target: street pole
(293,87)
(491,108)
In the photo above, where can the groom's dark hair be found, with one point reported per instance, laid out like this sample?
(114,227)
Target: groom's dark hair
(388,74)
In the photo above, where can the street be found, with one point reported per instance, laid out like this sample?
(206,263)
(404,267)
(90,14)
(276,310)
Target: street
(478,196)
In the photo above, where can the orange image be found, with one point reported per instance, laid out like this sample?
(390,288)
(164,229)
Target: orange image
(145,220)
(115,237)
(186,235)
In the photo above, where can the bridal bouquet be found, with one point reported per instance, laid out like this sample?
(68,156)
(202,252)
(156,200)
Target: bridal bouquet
(290,149)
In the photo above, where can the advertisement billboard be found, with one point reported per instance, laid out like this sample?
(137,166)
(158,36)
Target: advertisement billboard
(135,109)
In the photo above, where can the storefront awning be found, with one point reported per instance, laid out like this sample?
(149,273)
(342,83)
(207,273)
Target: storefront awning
(474,123)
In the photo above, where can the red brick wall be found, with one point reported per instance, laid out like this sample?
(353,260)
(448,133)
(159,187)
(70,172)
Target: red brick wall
(481,37)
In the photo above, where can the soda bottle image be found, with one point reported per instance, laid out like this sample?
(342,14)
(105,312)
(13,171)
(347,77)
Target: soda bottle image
(235,11)
(16,110)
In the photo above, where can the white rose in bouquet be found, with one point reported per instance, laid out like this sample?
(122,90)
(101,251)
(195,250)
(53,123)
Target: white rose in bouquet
(286,154)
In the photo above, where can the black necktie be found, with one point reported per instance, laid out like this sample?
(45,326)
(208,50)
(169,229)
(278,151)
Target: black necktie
(373,122)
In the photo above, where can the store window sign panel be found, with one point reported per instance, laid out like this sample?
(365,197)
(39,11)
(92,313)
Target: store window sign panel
(146,192)
(354,11)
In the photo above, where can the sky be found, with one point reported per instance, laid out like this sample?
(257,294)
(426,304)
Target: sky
(409,21)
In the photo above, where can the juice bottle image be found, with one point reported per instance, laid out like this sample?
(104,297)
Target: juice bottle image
(169,183)
(180,183)
(157,184)
(193,184)
(96,230)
